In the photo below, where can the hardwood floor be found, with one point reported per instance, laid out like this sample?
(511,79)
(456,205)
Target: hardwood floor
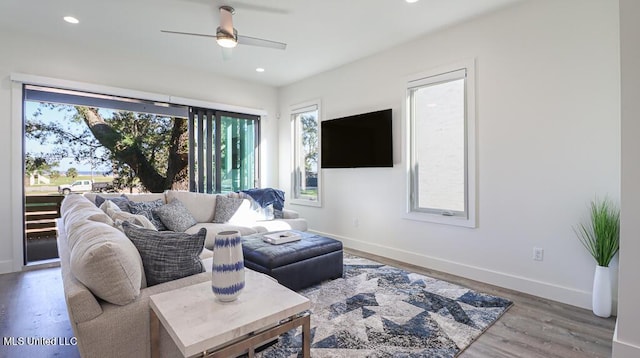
(32,305)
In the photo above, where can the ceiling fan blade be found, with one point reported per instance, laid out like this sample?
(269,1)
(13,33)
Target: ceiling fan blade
(254,41)
(187,33)
(247,6)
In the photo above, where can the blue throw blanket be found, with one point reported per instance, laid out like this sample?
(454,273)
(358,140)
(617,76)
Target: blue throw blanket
(267,196)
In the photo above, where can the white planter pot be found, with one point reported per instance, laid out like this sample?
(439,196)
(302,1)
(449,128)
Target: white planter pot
(227,272)
(601,296)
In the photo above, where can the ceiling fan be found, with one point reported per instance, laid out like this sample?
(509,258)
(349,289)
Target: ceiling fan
(227,37)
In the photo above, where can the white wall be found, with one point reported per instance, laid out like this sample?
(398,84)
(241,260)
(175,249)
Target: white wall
(548,142)
(42,57)
(626,341)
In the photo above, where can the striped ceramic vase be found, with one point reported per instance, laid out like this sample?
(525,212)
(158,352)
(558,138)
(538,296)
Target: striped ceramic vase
(227,280)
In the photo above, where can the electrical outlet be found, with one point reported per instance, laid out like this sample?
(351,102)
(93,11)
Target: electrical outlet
(538,254)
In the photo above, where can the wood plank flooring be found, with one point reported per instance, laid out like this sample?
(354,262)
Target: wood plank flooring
(32,305)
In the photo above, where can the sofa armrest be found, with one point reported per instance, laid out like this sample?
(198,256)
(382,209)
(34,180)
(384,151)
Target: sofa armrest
(82,305)
(289,214)
(123,331)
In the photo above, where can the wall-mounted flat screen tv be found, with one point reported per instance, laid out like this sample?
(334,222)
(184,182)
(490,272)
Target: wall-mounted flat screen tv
(363,140)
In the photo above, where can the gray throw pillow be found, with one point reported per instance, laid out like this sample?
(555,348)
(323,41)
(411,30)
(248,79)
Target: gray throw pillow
(175,216)
(122,202)
(168,255)
(225,208)
(146,209)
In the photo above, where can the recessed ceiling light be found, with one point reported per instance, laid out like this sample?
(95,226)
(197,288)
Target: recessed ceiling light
(71,19)
(411,1)
(259,69)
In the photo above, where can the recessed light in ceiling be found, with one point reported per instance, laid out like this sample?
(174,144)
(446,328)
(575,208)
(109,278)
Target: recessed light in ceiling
(71,19)
(259,69)
(411,1)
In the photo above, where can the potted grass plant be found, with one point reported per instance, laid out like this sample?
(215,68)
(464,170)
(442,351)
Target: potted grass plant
(601,237)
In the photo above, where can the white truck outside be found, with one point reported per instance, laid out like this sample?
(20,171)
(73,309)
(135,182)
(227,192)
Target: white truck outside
(83,186)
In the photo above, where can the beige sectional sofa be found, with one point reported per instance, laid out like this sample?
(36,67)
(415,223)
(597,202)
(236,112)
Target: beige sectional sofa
(104,281)
(202,207)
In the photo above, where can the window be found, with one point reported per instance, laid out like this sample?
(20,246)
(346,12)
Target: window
(75,141)
(306,181)
(442,146)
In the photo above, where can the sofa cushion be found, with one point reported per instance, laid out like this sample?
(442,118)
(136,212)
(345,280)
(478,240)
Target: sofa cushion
(167,255)
(105,261)
(200,205)
(145,208)
(175,216)
(102,218)
(143,197)
(76,208)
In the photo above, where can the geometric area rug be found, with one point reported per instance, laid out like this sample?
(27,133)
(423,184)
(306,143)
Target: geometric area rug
(377,310)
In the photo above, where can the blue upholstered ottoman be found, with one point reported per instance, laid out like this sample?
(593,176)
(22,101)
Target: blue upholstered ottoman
(297,264)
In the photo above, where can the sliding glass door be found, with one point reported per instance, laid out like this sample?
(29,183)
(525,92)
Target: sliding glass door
(238,159)
(224,151)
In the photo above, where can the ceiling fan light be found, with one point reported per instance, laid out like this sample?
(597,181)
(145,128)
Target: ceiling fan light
(226,42)
(226,39)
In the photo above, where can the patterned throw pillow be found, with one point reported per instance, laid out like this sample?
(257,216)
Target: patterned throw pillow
(175,216)
(226,207)
(122,201)
(168,255)
(119,217)
(109,205)
(146,209)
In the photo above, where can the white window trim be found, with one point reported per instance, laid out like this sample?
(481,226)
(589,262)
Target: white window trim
(295,109)
(123,92)
(470,220)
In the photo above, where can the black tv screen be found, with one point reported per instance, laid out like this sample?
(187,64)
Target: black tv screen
(363,140)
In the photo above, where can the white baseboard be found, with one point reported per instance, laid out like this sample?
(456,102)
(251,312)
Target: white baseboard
(622,349)
(545,290)
(6,266)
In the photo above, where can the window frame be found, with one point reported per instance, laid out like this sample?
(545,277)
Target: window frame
(467,218)
(295,151)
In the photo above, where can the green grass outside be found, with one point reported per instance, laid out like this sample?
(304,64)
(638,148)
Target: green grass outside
(65,180)
(52,187)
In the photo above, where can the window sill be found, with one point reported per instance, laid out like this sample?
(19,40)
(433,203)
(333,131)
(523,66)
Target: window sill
(441,219)
(306,202)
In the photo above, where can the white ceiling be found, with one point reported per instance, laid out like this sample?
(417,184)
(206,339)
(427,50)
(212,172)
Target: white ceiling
(320,34)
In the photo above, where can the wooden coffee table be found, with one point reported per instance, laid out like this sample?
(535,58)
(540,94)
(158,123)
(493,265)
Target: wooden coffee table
(200,325)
